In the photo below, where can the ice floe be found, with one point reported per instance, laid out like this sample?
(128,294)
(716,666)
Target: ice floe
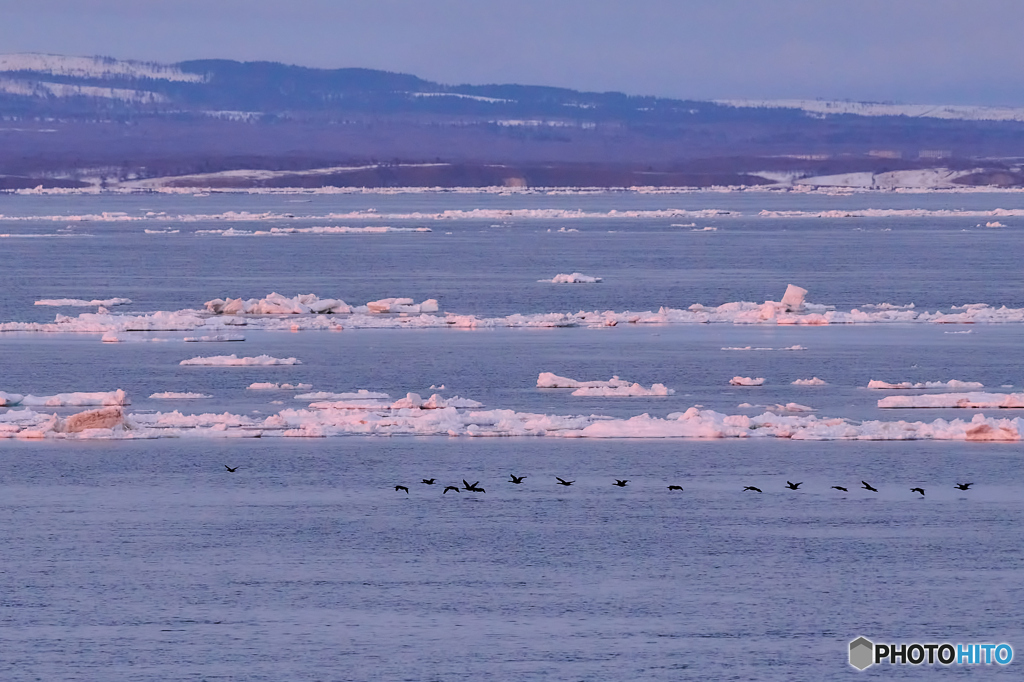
(81,303)
(215,338)
(952,384)
(401,305)
(170,395)
(235,361)
(574,278)
(796,347)
(975,400)
(614,387)
(361,394)
(268,386)
(630,391)
(456,417)
(276,304)
(306,304)
(813,381)
(310,312)
(117,397)
(746,381)
(282,231)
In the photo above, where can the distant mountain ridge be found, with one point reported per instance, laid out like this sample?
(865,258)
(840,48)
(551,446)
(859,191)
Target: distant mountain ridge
(67,117)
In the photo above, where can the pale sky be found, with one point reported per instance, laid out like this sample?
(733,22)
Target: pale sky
(912,51)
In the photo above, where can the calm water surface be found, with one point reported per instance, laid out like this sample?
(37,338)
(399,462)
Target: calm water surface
(148,560)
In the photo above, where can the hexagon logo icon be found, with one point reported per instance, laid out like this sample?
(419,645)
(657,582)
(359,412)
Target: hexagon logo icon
(862,653)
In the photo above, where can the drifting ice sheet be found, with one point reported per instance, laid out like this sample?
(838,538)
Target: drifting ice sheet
(267,386)
(574,278)
(814,381)
(746,381)
(169,395)
(361,394)
(741,312)
(951,384)
(235,361)
(80,303)
(614,387)
(963,400)
(117,397)
(439,417)
(216,338)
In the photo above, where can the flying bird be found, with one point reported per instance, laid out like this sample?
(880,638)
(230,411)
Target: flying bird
(451,487)
(918,490)
(564,482)
(236,469)
(868,486)
(963,486)
(472,487)
(516,479)
(839,487)
(675,487)
(428,481)
(750,487)
(401,487)
(621,483)
(793,486)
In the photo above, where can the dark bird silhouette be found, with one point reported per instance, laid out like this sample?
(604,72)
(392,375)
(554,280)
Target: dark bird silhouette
(839,487)
(918,490)
(621,483)
(236,469)
(472,487)
(963,486)
(793,486)
(675,487)
(750,487)
(516,479)
(401,487)
(564,482)
(868,486)
(451,487)
(428,481)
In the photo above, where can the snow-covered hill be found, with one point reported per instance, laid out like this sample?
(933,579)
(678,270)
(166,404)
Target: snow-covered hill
(93,67)
(836,107)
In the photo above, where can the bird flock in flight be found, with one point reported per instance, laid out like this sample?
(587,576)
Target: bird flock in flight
(621,483)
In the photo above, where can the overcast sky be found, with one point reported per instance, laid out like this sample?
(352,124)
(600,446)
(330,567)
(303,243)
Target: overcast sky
(915,51)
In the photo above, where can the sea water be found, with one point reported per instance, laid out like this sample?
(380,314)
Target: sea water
(149,560)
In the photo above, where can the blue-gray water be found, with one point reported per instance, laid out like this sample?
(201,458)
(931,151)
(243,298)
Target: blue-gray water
(148,560)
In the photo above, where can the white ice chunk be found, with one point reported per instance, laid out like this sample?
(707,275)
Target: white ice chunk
(361,394)
(235,361)
(170,395)
(813,381)
(574,278)
(975,400)
(614,387)
(215,338)
(80,303)
(952,384)
(117,397)
(551,380)
(632,391)
(9,399)
(793,299)
(746,381)
(267,386)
